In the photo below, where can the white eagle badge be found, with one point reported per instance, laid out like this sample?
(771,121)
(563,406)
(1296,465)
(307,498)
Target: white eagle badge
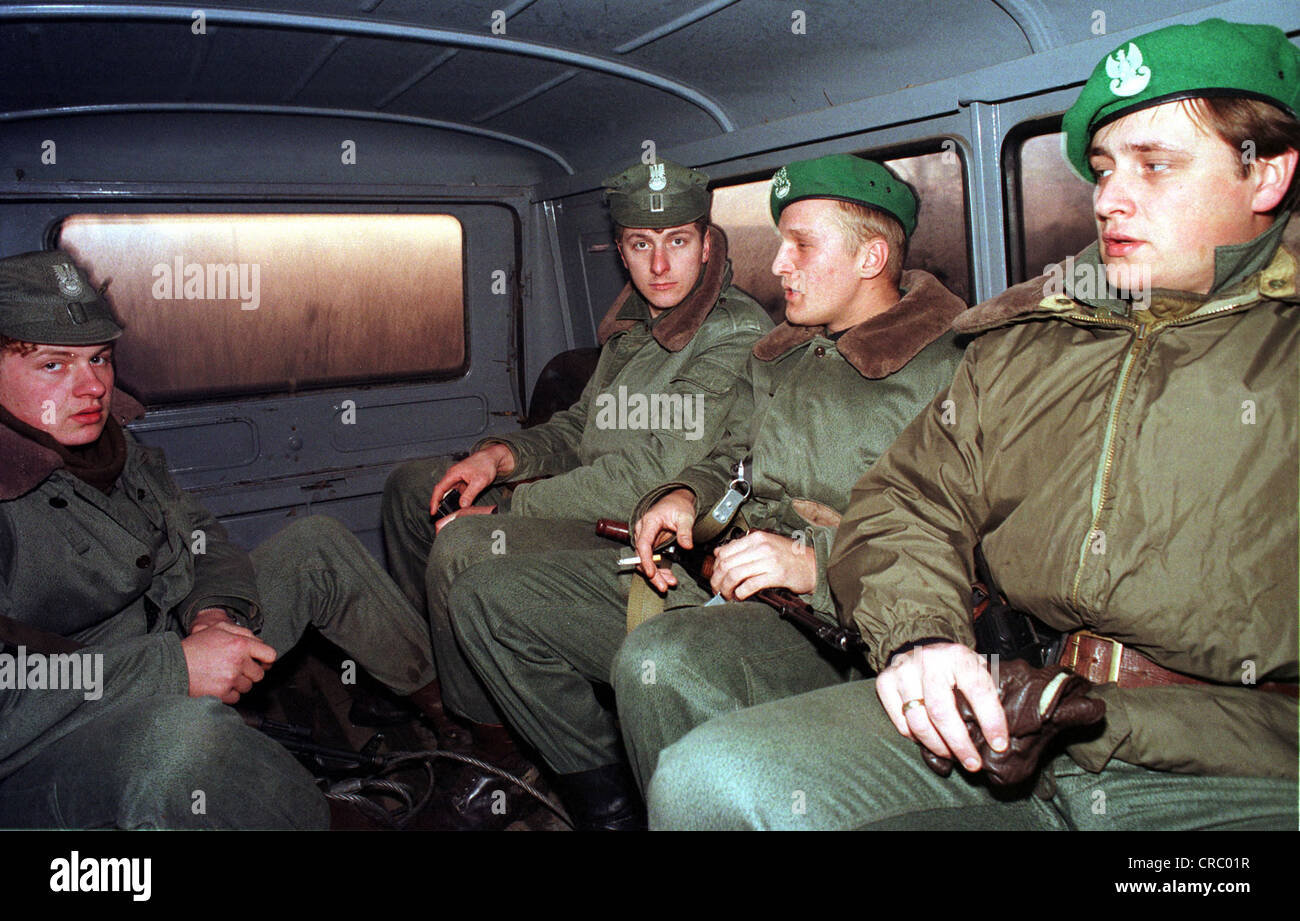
(68,282)
(1128,75)
(658,181)
(781,183)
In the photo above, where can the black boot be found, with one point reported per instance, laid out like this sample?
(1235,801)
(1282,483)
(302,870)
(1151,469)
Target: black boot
(451,734)
(602,799)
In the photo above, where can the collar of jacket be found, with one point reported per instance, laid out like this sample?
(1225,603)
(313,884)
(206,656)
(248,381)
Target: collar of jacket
(27,464)
(1034,300)
(882,345)
(675,326)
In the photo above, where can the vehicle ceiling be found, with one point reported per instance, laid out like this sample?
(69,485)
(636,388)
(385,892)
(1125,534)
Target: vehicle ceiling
(580,83)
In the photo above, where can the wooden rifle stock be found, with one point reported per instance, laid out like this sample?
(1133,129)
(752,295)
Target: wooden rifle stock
(698,561)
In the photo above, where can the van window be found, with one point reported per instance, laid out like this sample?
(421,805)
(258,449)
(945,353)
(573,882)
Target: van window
(939,245)
(219,305)
(1051,207)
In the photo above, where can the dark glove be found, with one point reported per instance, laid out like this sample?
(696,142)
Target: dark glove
(1031,721)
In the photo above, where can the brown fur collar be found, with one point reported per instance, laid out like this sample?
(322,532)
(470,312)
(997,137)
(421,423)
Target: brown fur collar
(1016,301)
(885,343)
(26,464)
(676,327)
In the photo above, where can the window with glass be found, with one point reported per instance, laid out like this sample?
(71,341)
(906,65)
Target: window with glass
(223,305)
(1051,213)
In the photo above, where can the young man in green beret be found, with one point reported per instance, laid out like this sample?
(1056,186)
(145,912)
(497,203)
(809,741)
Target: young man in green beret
(99,549)
(864,348)
(1129,465)
(674,340)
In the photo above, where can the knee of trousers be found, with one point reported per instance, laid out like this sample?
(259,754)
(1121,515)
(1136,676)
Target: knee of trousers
(319,535)
(648,657)
(463,543)
(193,762)
(473,620)
(665,650)
(705,780)
(409,488)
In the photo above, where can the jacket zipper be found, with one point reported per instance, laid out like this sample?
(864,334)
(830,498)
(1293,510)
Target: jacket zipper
(1102,478)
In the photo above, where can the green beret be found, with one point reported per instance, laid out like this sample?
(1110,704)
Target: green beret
(844,178)
(45,298)
(1211,58)
(657,195)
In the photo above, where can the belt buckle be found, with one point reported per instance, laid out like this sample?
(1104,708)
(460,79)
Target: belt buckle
(1116,653)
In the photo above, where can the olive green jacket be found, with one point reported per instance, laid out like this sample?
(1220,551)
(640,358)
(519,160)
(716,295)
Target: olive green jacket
(119,573)
(1138,479)
(823,410)
(662,394)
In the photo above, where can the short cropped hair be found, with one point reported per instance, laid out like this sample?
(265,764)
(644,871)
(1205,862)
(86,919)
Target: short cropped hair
(859,224)
(1251,125)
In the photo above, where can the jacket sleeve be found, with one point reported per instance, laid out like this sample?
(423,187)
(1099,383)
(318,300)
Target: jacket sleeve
(223,573)
(613,483)
(552,447)
(899,566)
(820,539)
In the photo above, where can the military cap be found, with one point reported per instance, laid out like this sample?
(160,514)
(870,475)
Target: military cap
(844,178)
(1211,58)
(657,195)
(46,298)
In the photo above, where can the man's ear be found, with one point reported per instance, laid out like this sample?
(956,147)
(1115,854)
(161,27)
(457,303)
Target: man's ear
(872,257)
(704,247)
(1273,178)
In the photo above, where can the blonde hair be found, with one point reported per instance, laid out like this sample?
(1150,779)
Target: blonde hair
(859,224)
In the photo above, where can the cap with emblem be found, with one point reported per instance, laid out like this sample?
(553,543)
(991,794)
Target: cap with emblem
(1211,58)
(46,298)
(657,195)
(844,178)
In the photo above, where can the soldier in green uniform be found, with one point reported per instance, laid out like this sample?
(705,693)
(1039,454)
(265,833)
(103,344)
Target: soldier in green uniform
(1128,462)
(674,345)
(865,347)
(98,545)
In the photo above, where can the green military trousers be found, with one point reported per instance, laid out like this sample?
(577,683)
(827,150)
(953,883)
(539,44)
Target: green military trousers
(540,630)
(689,665)
(145,756)
(425,568)
(831,760)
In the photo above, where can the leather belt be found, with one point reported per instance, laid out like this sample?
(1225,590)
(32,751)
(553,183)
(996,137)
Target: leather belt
(1102,660)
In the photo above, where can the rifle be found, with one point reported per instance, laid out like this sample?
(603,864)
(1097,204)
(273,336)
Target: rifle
(298,739)
(698,562)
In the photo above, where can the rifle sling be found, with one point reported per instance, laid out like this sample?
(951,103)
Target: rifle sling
(14,633)
(643,602)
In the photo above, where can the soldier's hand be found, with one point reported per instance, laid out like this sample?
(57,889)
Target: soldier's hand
(923,677)
(472,510)
(760,560)
(473,475)
(224,661)
(673,515)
